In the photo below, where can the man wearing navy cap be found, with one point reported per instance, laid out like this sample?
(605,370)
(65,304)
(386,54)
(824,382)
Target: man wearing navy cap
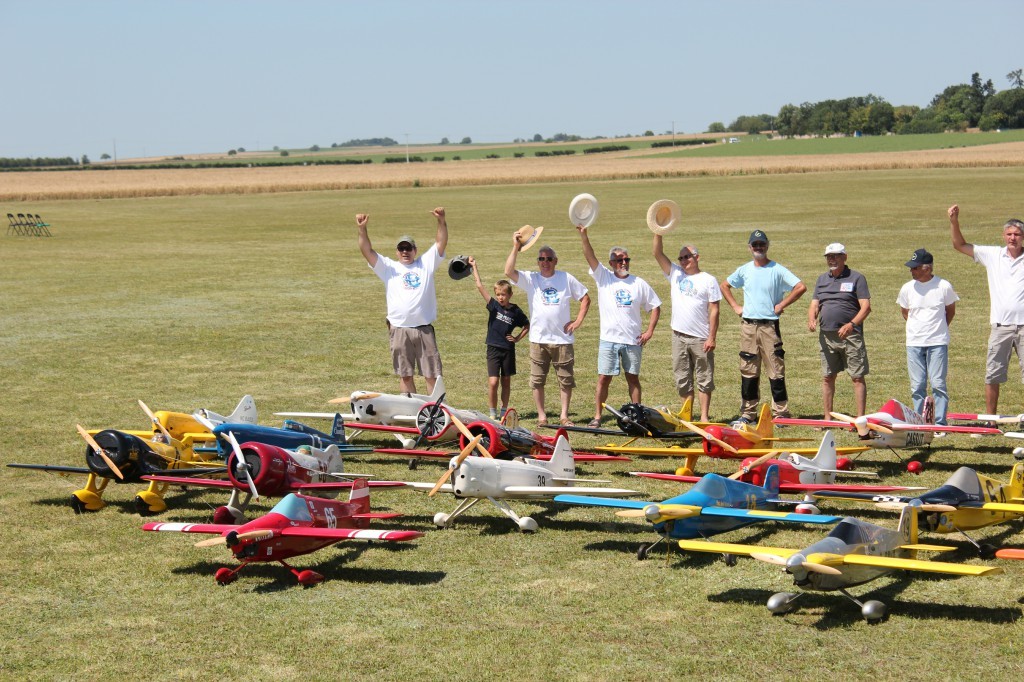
(768,289)
(840,305)
(928,304)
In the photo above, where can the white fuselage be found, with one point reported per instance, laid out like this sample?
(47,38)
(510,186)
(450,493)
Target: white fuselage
(482,477)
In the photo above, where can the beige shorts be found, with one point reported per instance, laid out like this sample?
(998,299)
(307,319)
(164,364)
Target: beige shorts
(1001,341)
(850,354)
(414,351)
(544,355)
(690,364)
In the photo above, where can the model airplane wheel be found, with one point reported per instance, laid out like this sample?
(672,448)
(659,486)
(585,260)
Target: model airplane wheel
(730,559)
(642,552)
(141,508)
(441,520)
(413,464)
(684,471)
(528,525)
(225,576)
(781,602)
(309,578)
(873,611)
(987,551)
(77,505)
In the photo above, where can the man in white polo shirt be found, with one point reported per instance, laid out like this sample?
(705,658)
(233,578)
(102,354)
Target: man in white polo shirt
(620,298)
(1005,267)
(412,302)
(552,326)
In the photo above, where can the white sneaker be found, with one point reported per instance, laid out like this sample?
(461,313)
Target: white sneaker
(940,434)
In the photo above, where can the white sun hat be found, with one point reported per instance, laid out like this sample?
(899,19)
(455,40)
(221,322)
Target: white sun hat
(583,210)
(662,216)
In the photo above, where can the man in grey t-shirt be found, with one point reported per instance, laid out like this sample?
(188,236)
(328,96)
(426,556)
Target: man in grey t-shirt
(840,305)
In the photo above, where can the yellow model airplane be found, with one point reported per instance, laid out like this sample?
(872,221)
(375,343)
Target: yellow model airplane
(723,441)
(855,552)
(173,443)
(966,501)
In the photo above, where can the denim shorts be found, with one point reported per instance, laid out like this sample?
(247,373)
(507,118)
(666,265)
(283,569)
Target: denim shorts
(613,356)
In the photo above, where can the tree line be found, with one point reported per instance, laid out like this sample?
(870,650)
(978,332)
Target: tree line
(958,107)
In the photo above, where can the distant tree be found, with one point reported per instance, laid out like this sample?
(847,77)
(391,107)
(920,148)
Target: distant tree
(284,152)
(444,140)
(241,150)
(1016,78)
(231,152)
(924,121)
(104,157)
(85,160)
(467,140)
(315,148)
(716,127)
(538,138)
(276,148)
(881,118)
(648,133)
(1005,109)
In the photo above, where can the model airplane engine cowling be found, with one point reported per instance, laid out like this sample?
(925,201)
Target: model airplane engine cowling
(637,422)
(120,447)
(268,467)
(712,448)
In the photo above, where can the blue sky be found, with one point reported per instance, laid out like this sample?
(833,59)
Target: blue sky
(164,77)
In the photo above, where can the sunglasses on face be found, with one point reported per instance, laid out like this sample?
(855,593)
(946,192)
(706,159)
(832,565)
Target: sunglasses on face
(759,245)
(623,259)
(403,249)
(683,259)
(545,259)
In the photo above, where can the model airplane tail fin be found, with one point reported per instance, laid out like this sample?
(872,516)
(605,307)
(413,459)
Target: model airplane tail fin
(764,426)
(908,525)
(1017,480)
(360,495)
(439,390)
(562,465)
(771,480)
(245,412)
(826,457)
(338,429)
(686,411)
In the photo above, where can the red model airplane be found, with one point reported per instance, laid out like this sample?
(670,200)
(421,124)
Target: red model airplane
(296,525)
(256,469)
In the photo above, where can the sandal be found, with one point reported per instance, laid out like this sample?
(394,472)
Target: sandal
(594,424)
(566,422)
(542,422)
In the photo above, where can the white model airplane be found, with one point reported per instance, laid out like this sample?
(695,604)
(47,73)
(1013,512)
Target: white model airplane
(478,478)
(855,552)
(244,413)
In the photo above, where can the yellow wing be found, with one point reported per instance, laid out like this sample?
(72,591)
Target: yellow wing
(729,548)
(918,565)
(1004,507)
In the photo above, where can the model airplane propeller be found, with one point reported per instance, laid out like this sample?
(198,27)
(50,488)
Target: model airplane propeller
(855,552)
(296,525)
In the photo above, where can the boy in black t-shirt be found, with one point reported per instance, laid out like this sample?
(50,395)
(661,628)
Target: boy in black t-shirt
(503,316)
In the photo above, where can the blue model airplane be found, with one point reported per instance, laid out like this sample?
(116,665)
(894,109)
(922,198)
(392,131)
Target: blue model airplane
(293,435)
(715,504)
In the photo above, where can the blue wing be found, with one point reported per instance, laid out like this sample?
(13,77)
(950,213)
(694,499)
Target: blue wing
(764,515)
(601,501)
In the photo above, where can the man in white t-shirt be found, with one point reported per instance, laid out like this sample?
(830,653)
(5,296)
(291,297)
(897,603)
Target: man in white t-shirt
(1005,268)
(552,327)
(695,304)
(411,300)
(928,304)
(620,298)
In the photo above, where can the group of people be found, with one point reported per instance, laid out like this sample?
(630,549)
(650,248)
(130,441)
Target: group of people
(840,304)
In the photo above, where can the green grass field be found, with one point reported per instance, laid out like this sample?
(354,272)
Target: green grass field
(190,302)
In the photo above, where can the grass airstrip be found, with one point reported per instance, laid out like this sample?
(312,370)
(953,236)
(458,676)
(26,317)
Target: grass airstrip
(192,300)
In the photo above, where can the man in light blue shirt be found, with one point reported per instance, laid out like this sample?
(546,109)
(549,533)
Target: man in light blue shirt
(768,289)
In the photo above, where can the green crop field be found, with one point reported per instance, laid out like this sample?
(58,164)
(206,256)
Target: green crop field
(193,301)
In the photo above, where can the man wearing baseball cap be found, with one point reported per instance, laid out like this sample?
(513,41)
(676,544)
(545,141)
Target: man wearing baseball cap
(768,289)
(928,304)
(838,309)
(411,300)
(1005,267)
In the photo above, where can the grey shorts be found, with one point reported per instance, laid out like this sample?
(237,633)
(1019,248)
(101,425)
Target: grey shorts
(414,350)
(850,354)
(1001,341)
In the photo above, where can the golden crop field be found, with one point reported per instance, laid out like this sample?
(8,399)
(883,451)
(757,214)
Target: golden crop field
(626,165)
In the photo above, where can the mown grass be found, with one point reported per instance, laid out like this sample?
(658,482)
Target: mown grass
(192,301)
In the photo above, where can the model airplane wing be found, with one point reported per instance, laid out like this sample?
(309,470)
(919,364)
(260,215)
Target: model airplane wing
(743,452)
(732,548)
(858,496)
(213,528)
(918,565)
(602,502)
(945,428)
(791,487)
(680,435)
(350,534)
(820,423)
(360,426)
(552,490)
(766,515)
(345,485)
(185,480)
(53,467)
(1004,507)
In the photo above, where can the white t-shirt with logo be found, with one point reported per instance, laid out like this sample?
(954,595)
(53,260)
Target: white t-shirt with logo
(549,299)
(620,302)
(691,295)
(409,289)
(926,303)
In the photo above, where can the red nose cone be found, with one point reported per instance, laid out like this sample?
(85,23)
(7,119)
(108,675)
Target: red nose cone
(802,510)
(844,464)
(914,467)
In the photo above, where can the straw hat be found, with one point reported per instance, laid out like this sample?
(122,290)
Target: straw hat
(662,216)
(528,236)
(583,210)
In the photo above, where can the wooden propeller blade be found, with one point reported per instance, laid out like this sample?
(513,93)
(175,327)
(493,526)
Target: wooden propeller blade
(707,436)
(156,422)
(753,465)
(264,534)
(212,542)
(361,396)
(458,462)
(344,400)
(99,451)
(631,513)
(839,416)
(469,436)
(768,558)
(820,568)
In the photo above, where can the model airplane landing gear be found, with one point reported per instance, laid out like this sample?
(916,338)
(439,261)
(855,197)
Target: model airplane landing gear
(684,471)
(985,551)
(872,610)
(226,576)
(782,602)
(306,578)
(442,520)
(644,550)
(730,559)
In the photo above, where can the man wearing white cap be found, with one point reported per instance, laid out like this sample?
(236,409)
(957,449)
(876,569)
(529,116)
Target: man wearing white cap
(840,304)
(411,300)
(1005,266)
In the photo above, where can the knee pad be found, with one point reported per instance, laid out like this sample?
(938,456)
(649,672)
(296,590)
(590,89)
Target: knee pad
(778,387)
(749,389)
